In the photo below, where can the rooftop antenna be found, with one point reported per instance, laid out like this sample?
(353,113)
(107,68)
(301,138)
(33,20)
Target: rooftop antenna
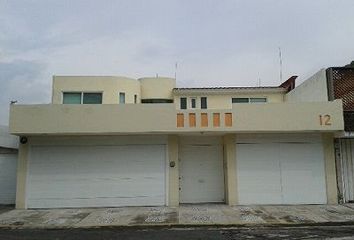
(176,71)
(259,82)
(281,66)
(157,75)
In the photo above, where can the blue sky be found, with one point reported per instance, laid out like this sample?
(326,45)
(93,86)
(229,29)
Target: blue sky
(216,43)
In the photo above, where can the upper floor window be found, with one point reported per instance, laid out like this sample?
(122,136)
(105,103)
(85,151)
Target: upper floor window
(82,98)
(122,98)
(183,103)
(193,103)
(203,103)
(71,98)
(249,100)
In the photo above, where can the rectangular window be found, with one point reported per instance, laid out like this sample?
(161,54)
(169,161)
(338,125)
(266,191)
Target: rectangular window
(135,98)
(92,98)
(183,103)
(240,100)
(203,103)
(71,98)
(122,98)
(193,102)
(258,100)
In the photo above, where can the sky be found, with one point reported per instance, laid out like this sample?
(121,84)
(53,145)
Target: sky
(214,43)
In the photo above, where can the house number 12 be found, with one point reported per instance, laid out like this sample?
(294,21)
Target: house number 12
(325,120)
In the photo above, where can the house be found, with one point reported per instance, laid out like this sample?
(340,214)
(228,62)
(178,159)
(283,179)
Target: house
(109,141)
(8,165)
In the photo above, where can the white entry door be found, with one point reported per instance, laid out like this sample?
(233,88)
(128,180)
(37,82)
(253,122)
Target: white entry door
(8,167)
(280,170)
(96,176)
(201,170)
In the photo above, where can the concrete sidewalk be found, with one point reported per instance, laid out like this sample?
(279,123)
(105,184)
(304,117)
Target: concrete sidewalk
(185,215)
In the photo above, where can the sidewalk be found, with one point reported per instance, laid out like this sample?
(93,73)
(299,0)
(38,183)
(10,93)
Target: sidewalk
(185,215)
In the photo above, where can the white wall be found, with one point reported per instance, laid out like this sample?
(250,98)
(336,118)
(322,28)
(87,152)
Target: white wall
(313,89)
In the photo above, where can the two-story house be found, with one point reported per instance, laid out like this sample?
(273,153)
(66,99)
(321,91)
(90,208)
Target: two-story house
(116,141)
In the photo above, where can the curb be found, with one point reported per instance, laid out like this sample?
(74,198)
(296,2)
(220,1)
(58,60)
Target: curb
(169,226)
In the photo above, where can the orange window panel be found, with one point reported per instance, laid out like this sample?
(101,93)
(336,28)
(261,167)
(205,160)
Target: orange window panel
(228,119)
(216,119)
(204,119)
(192,120)
(180,120)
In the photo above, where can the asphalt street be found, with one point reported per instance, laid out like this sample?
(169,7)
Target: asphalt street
(318,232)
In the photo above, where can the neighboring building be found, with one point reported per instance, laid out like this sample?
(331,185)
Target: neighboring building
(114,141)
(341,86)
(8,165)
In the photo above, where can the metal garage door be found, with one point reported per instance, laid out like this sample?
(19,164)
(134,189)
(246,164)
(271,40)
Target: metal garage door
(96,176)
(8,166)
(201,170)
(345,148)
(280,170)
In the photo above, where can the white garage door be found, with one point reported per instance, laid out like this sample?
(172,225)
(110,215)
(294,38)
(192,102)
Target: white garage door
(8,166)
(280,170)
(201,170)
(96,176)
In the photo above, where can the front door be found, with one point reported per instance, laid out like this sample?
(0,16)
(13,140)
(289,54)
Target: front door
(201,170)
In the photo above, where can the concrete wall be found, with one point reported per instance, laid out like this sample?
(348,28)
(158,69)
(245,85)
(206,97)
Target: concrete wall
(161,118)
(313,89)
(157,88)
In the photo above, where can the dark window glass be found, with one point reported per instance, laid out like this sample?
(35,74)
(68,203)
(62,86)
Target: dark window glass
(240,100)
(183,103)
(258,100)
(203,103)
(122,98)
(71,98)
(193,103)
(157,100)
(135,98)
(92,98)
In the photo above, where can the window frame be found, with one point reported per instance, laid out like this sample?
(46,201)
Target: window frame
(81,96)
(201,103)
(249,100)
(184,103)
(122,94)
(191,102)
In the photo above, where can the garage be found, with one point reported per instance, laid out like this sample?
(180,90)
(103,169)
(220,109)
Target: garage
(201,170)
(8,166)
(280,169)
(96,176)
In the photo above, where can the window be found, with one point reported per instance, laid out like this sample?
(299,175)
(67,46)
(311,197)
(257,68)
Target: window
(82,98)
(203,103)
(156,100)
(71,98)
(121,98)
(258,100)
(92,98)
(240,100)
(249,100)
(135,98)
(193,102)
(183,103)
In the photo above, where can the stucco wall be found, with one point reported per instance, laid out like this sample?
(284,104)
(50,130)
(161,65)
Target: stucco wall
(313,89)
(157,88)
(161,118)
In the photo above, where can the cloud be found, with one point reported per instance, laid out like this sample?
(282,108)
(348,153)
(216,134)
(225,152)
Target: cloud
(21,81)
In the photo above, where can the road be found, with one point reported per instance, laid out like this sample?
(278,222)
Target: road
(323,232)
